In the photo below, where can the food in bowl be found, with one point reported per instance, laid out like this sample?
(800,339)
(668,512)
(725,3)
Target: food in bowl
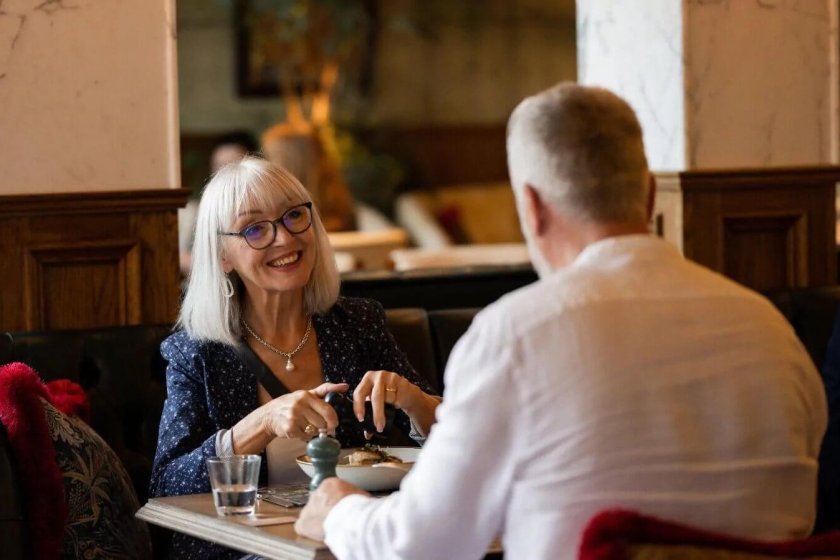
(370,477)
(370,455)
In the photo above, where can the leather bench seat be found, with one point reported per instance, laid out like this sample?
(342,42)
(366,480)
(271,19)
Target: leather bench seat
(811,312)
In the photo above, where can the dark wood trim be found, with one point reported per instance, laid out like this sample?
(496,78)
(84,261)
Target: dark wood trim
(764,178)
(442,155)
(141,200)
(122,255)
(768,228)
(89,260)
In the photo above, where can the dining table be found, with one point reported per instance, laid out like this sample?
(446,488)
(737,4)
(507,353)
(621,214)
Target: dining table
(195,515)
(269,532)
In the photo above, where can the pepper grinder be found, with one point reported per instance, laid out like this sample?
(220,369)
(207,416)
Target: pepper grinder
(323,451)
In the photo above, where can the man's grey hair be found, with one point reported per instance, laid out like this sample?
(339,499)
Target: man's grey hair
(581,148)
(206,314)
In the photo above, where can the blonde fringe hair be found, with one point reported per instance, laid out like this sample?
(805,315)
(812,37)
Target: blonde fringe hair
(206,314)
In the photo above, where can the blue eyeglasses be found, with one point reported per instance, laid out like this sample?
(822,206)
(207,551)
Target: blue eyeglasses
(260,235)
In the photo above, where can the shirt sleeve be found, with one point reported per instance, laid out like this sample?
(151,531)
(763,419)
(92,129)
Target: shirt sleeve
(224,443)
(452,503)
(187,436)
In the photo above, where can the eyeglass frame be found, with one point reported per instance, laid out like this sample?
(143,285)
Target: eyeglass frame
(273,224)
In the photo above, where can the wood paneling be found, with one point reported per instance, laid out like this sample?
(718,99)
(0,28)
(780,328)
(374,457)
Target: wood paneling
(437,156)
(769,229)
(88,260)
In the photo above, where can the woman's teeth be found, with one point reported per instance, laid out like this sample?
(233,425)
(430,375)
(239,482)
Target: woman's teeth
(285,261)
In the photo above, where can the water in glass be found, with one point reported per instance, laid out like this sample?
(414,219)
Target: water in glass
(235,499)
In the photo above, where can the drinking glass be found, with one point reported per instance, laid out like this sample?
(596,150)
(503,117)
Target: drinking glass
(234,482)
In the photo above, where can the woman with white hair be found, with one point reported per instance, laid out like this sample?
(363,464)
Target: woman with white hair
(264,337)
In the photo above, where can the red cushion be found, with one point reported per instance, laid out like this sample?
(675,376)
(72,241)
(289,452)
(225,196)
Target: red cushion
(69,398)
(22,413)
(610,534)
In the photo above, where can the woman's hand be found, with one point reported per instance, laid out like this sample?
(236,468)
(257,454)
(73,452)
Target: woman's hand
(295,415)
(386,387)
(302,413)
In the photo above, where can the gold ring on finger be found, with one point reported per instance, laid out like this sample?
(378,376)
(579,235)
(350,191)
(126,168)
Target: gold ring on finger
(310,429)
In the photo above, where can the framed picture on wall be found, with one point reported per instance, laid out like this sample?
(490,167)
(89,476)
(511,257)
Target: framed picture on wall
(283,44)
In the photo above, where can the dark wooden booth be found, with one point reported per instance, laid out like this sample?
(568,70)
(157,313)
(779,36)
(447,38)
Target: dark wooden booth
(768,228)
(86,260)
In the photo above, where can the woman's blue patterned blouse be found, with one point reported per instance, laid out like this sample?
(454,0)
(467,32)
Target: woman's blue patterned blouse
(209,388)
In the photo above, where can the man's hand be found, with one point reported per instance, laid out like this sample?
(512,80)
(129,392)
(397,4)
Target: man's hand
(310,523)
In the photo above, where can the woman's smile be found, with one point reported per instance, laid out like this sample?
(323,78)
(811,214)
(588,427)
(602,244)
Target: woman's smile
(286,261)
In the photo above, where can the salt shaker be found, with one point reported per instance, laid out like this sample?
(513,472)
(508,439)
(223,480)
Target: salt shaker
(323,451)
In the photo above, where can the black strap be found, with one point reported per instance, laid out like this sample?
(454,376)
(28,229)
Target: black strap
(264,375)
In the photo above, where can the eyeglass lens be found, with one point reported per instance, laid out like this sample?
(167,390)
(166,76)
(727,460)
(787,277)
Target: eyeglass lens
(262,234)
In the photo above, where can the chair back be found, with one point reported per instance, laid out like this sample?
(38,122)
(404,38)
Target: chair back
(628,535)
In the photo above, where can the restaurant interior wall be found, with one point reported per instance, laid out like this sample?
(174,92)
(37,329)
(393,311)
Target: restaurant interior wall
(738,101)
(84,105)
(89,153)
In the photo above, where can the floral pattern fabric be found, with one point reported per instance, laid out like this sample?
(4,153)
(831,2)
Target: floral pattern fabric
(100,499)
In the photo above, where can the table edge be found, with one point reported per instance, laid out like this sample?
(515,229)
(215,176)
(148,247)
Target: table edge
(173,518)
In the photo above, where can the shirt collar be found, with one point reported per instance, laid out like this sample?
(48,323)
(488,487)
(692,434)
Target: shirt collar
(624,246)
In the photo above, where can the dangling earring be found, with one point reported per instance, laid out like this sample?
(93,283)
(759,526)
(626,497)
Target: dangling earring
(229,291)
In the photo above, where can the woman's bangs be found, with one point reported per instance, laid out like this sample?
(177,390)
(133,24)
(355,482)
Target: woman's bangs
(263,189)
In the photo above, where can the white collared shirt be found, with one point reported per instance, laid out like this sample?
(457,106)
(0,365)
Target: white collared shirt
(632,378)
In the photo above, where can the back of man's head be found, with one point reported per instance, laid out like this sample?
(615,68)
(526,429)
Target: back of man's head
(581,149)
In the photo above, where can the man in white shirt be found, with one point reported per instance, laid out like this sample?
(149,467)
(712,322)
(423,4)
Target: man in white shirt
(626,377)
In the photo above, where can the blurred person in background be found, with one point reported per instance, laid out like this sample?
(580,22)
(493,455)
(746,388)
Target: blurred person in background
(228,148)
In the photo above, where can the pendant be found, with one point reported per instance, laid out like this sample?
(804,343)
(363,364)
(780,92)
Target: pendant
(289,365)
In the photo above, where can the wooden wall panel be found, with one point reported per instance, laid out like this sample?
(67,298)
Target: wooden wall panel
(89,259)
(768,228)
(766,251)
(82,285)
(437,156)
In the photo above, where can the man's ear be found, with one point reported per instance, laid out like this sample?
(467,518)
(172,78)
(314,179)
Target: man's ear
(535,211)
(651,201)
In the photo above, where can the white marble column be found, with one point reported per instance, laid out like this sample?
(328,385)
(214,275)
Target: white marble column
(88,96)
(719,83)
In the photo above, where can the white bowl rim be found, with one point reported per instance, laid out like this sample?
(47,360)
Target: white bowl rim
(304,459)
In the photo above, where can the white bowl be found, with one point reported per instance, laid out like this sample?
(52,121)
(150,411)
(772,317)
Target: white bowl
(369,477)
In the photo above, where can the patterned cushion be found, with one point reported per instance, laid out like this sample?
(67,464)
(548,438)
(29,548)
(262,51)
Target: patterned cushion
(78,500)
(100,499)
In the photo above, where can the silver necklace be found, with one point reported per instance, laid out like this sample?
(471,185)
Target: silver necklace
(288,355)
